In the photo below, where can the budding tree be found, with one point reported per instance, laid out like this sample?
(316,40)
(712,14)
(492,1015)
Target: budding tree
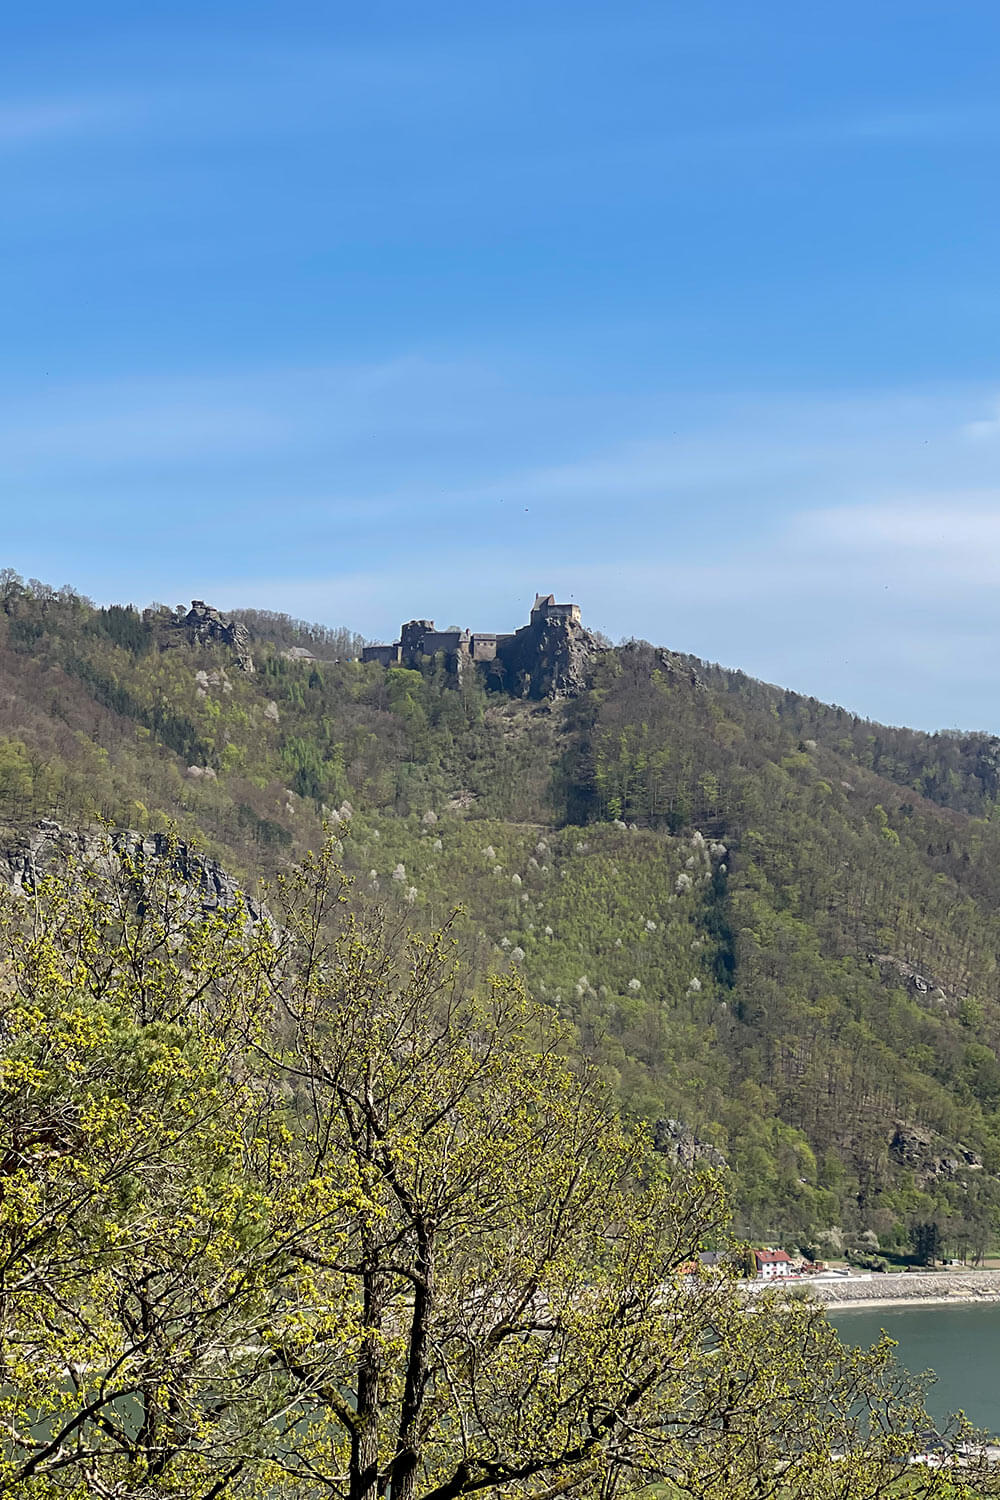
(291,1206)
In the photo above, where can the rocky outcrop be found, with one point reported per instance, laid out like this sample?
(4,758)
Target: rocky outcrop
(25,857)
(921,984)
(643,660)
(678,1141)
(922,1153)
(987,766)
(676,667)
(550,658)
(203,626)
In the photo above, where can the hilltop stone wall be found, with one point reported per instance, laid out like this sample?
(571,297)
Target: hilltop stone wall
(547,658)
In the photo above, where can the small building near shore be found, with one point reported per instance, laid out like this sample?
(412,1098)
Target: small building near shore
(772,1264)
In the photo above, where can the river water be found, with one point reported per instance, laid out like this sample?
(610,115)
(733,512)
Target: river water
(961,1344)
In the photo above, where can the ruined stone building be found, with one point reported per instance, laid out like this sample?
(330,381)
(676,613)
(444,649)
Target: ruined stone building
(545,658)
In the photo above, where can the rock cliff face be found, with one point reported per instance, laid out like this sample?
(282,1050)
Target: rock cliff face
(675,666)
(26,856)
(678,1141)
(926,1156)
(202,625)
(550,658)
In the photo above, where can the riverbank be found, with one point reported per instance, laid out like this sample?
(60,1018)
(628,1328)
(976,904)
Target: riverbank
(901,1288)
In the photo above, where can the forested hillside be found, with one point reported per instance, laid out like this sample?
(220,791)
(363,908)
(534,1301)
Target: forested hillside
(772,923)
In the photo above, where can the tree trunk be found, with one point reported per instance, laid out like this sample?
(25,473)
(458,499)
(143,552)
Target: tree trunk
(407,1458)
(364,1438)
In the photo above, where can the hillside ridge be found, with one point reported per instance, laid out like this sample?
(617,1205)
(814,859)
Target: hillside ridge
(765,918)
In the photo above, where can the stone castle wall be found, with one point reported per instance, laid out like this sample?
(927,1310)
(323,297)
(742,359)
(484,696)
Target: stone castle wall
(546,658)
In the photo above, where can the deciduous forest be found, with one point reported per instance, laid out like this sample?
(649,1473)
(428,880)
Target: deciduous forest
(771,925)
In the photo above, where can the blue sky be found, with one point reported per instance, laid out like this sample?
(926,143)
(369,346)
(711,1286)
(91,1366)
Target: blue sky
(690,312)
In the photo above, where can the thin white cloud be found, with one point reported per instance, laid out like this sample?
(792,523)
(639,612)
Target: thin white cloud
(964,122)
(953,537)
(437,434)
(848,547)
(807,562)
(121,423)
(860,605)
(985,428)
(26,122)
(903,125)
(789,135)
(785,450)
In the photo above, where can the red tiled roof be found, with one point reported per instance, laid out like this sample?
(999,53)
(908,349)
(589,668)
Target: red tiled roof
(772,1257)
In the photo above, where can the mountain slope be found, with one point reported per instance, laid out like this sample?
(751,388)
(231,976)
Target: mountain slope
(766,918)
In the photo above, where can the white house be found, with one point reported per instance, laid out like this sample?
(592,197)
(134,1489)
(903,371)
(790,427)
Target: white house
(772,1263)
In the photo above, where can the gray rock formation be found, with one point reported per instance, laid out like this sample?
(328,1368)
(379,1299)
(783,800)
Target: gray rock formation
(676,667)
(921,984)
(678,1141)
(642,660)
(549,658)
(25,857)
(202,626)
(926,1156)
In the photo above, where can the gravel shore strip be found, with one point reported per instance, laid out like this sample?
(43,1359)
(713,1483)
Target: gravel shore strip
(900,1289)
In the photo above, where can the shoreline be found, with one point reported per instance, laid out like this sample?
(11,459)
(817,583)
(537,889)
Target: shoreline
(873,1304)
(907,1289)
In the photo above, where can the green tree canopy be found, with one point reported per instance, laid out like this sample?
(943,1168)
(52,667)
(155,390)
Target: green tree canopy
(287,1206)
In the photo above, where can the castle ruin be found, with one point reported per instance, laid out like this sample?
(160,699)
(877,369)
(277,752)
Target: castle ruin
(545,658)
